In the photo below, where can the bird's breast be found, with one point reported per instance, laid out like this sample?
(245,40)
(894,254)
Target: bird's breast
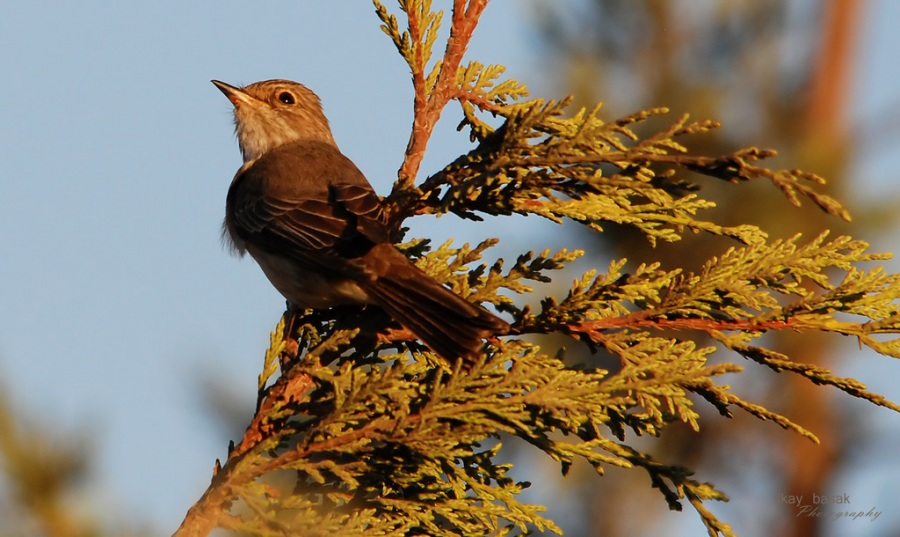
(307,289)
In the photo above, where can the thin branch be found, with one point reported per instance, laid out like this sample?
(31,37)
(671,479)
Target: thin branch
(592,329)
(204,516)
(428,108)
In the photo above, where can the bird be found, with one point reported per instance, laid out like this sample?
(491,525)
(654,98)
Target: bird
(318,230)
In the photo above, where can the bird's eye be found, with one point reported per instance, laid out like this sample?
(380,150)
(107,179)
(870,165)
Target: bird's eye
(286,97)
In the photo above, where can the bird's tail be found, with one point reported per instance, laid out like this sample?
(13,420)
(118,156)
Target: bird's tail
(450,325)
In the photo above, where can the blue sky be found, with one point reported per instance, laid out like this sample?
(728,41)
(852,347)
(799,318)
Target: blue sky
(116,152)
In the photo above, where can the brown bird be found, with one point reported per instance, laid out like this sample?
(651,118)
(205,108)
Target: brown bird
(314,224)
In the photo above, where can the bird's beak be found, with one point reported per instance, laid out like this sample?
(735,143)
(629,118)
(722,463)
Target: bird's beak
(235,95)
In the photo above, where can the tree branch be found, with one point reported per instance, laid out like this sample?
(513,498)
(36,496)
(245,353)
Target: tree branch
(428,107)
(213,506)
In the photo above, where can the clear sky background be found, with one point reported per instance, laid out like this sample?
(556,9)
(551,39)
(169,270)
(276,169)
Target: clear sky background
(116,296)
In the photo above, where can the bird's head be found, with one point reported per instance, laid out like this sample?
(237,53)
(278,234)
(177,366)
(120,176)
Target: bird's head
(271,113)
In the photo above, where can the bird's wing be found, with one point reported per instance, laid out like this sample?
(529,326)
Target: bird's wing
(320,225)
(349,221)
(366,209)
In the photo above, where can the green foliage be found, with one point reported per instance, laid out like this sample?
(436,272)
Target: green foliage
(366,432)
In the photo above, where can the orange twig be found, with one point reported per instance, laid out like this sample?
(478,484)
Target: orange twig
(427,108)
(592,328)
(212,507)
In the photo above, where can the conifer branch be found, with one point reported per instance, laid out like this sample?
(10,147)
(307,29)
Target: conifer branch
(264,432)
(431,94)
